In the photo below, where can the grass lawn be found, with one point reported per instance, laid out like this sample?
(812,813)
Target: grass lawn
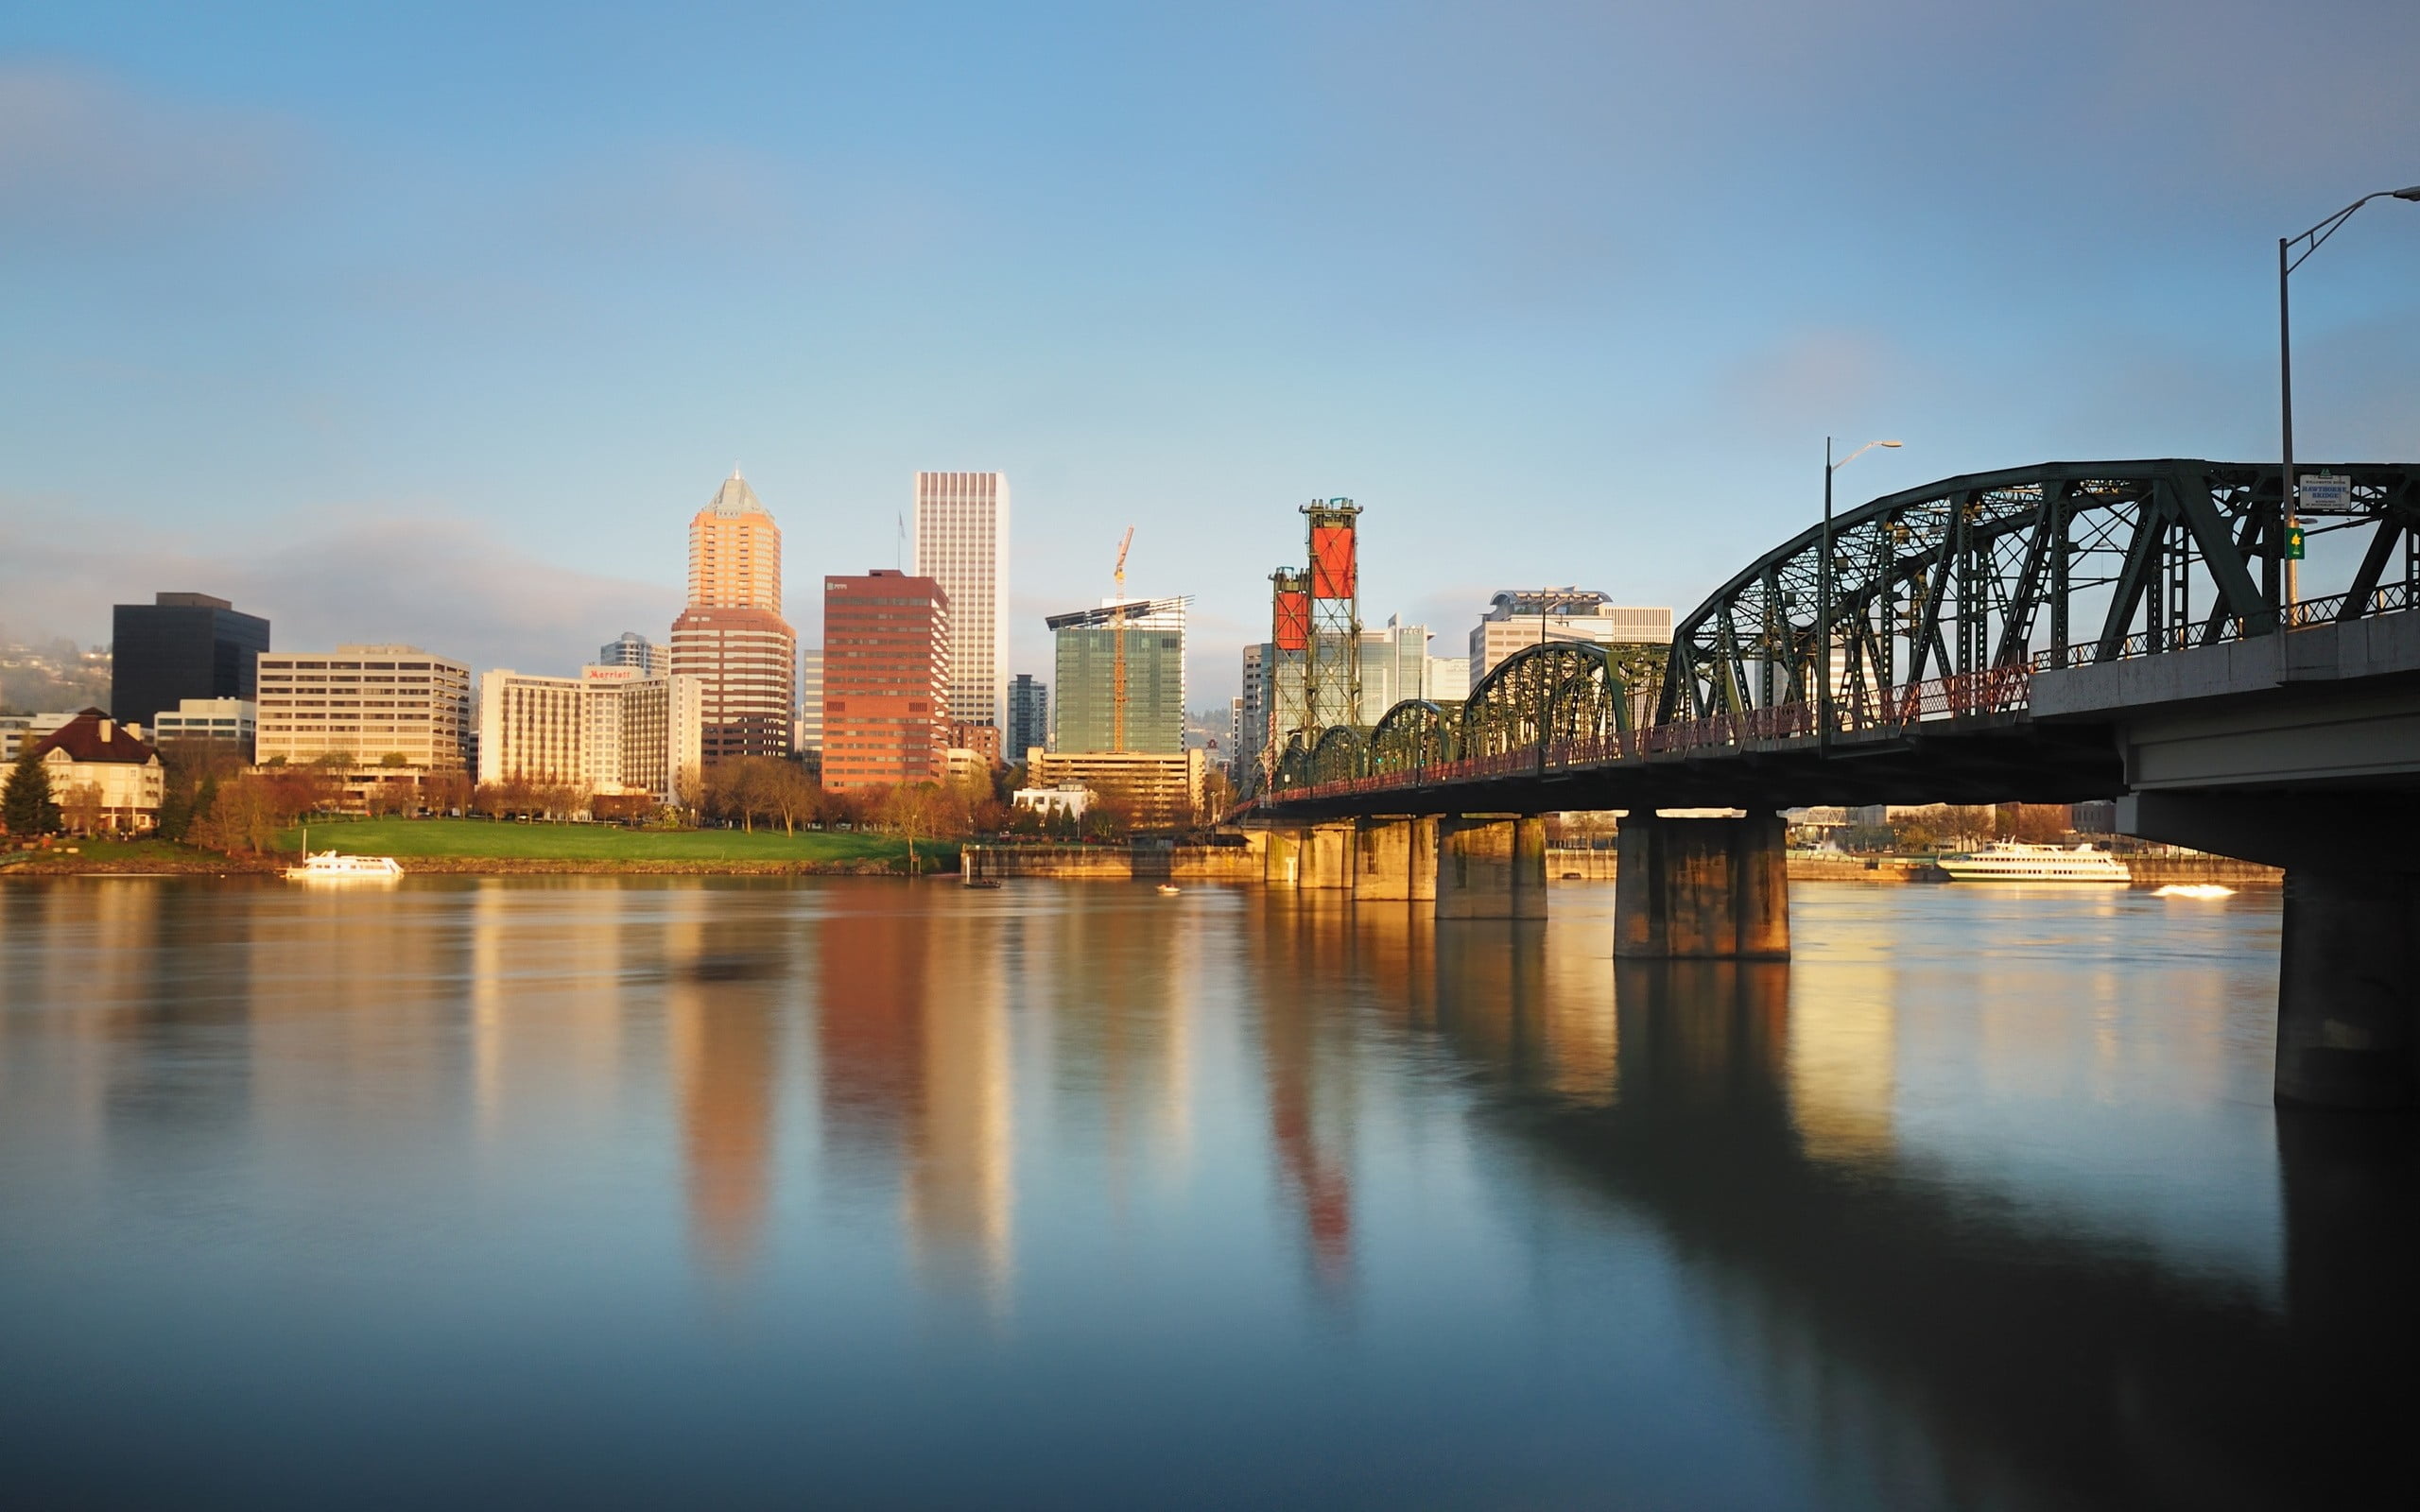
(405,839)
(101,848)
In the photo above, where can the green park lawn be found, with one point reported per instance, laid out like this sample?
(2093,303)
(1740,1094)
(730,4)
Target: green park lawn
(485,839)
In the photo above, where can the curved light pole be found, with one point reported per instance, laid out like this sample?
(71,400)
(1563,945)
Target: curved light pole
(1823,596)
(2288,260)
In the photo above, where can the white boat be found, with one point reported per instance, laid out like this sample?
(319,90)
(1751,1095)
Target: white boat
(2014,861)
(329,865)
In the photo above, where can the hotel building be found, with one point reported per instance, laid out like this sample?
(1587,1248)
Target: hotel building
(732,638)
(961,544)
(886,679)
(613,730)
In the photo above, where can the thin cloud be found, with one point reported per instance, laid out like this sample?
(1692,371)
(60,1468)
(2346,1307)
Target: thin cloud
(442,583)
(83,155)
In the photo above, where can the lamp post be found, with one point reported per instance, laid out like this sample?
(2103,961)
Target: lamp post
(1823,596)
(2288,260)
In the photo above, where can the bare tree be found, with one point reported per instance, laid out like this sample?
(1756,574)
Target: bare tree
(80,806)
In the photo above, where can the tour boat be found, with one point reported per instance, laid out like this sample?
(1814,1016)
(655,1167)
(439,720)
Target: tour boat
(328,866)
(1170,889)
(2014,861)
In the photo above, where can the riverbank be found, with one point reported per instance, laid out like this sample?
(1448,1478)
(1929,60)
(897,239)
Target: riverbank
(480,848)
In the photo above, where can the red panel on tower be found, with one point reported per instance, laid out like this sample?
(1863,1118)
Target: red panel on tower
(1332,561)
(1293,626)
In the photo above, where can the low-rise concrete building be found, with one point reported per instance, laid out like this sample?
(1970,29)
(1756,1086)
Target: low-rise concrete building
(231,723)
(1162,788)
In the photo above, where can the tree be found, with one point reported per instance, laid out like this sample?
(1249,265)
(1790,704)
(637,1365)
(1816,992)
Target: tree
(244,814)
(81,807)
(793,794)
(26,807)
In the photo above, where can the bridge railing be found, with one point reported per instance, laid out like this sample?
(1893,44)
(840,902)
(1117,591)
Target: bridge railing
(1856,713)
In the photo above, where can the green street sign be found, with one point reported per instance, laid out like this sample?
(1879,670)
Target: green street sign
(2293,543)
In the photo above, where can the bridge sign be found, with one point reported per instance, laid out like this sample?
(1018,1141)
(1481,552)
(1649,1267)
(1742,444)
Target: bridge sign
(2327,492)
(2293,543)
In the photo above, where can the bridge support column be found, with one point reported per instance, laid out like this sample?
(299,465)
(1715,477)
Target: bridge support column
(1281,857)
(1394,860)
(1490,867)
(2348,967)
(1702,890)
(1327,857)
(2349,990)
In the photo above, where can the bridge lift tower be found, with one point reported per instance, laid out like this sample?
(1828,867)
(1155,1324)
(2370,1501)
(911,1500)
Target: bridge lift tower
(1332,669)
(1289,642)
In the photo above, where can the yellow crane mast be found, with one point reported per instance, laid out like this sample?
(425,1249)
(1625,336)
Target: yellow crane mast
(1118,650)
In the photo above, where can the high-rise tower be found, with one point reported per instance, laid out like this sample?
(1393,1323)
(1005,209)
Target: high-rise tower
(732,638)
(962,543)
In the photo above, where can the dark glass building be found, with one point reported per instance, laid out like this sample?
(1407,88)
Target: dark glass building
(181,646)
(1029,716)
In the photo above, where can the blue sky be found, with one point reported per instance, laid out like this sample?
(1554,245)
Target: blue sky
(436,322)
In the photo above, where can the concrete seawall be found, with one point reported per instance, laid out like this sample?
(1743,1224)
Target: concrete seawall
(1103,863)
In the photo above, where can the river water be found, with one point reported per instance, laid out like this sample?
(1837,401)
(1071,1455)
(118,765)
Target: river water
(727,1192)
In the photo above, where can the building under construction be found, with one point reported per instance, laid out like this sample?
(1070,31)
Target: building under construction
(1087,675)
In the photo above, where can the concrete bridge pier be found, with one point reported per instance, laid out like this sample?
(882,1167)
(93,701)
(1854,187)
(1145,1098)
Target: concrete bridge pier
(2349,990)
(1394,860)
(1491,867)
(2348,965)
(1280,855)
(1327,858)
(1702,890)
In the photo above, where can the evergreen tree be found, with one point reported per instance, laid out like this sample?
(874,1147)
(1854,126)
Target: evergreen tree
(25,804)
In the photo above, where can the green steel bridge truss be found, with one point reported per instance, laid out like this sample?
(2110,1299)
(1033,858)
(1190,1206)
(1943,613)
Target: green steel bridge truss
(1986,577)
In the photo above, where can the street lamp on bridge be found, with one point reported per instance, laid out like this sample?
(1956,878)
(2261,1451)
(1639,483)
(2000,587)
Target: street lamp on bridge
(2288,260)
(1824,594)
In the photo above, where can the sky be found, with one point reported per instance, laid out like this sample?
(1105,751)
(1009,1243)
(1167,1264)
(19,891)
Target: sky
(436,322)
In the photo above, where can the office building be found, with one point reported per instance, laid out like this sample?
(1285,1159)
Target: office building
(1394,666)
(611,732)
(102,777)
(1251,714)
(180,646)
(364,704)
(1029,716)
(886,679)
(1446,679)
(811,698)
(631,650)
(962,543)
(1087,678)
(1518,619)
(1161,790)
(233,723)
(732,638)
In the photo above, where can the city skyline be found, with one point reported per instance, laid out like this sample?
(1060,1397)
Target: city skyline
(279,337)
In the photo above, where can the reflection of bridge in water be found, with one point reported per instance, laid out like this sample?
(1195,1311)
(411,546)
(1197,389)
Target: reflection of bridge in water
(2045,635)
(1954,1347)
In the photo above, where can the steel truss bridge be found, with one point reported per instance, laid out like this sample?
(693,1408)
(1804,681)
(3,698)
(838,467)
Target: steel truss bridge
(1933,609)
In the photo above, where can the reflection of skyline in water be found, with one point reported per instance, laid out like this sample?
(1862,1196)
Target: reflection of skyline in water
(1977,1201)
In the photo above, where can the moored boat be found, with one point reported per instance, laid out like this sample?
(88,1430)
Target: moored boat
(2014,861)
(329,865)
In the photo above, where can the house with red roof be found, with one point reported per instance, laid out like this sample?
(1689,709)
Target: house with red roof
(102,777)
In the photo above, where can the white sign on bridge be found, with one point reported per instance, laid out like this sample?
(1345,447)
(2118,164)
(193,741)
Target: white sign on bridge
(2327,492)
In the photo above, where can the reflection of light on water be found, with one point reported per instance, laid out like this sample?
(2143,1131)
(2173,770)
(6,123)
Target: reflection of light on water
(2193,889)
(1841,1064)
(1579,1018)
(960,1194)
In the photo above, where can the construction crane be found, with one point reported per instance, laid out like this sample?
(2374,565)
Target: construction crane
(1118,650)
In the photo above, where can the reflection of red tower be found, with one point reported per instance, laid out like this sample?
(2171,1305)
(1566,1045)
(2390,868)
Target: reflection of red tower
(1320,1181)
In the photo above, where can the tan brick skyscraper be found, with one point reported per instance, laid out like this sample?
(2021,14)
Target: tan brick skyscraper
(731,637)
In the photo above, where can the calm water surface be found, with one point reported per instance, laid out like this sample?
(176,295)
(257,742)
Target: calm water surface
(592,1191)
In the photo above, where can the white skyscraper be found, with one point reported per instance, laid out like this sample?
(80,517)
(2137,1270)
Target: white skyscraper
(961,543)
